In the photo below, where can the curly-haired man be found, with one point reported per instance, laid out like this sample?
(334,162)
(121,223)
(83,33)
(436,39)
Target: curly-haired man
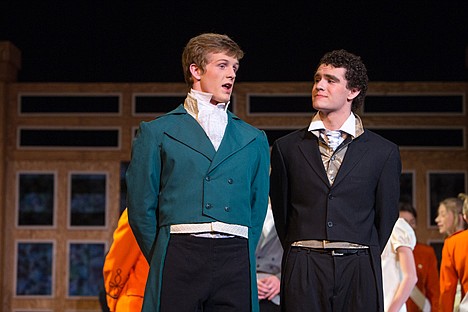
(334,194)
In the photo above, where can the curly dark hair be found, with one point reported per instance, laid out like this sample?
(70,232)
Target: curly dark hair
(356,72)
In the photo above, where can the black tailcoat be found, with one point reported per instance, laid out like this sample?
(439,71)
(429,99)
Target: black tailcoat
(360,207)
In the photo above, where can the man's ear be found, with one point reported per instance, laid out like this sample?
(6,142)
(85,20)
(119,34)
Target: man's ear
(353,93)
(195,71)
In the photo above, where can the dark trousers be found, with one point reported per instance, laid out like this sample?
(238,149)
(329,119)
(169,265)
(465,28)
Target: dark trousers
(206,274)
(268,306)
(319,281)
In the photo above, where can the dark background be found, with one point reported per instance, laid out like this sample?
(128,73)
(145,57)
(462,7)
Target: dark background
(137,41)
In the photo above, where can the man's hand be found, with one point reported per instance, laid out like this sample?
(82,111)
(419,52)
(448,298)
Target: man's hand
(268,287)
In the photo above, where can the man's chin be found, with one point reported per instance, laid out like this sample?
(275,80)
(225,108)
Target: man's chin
(223,99)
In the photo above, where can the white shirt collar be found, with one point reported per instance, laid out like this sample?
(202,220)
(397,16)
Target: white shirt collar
(200,96)
(349,126)
(203,100)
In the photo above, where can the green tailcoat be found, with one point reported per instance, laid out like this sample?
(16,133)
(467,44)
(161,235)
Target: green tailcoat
(176,176)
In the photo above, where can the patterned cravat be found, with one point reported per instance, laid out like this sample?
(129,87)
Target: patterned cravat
(333,137)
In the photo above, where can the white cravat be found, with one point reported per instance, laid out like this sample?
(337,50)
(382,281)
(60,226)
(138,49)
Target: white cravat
(334,138)
(212,118)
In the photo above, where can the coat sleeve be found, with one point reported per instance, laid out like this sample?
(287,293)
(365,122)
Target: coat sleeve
(120,260)
(279,192)
(387,197)
(143,179)
(259,204)
(260,186)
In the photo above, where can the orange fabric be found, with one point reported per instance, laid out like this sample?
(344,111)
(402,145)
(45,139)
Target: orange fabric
(428,276)
(453,268)
(125,270)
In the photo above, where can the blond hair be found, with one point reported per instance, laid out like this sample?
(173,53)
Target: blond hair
(197,49)
(454,205)
(464,198)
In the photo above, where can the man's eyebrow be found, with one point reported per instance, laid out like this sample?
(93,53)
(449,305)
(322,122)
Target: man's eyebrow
(327,76)
(332,77)
(225,60)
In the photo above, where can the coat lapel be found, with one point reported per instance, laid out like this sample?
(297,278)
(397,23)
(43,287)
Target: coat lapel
(356,151)
(235,138)
(311,152)
(191,134)
(188,132)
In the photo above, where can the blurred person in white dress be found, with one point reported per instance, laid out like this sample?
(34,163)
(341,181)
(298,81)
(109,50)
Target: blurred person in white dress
(398,267)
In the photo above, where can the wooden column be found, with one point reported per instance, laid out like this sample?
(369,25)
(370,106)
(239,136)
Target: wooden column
(10,63)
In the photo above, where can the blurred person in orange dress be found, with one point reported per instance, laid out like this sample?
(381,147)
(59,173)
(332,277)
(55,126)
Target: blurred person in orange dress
(449,216)
(425,295)
(454,265)
(450,221)
(125,270)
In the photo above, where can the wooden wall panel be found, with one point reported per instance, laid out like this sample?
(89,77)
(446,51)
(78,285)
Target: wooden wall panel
(417,160)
